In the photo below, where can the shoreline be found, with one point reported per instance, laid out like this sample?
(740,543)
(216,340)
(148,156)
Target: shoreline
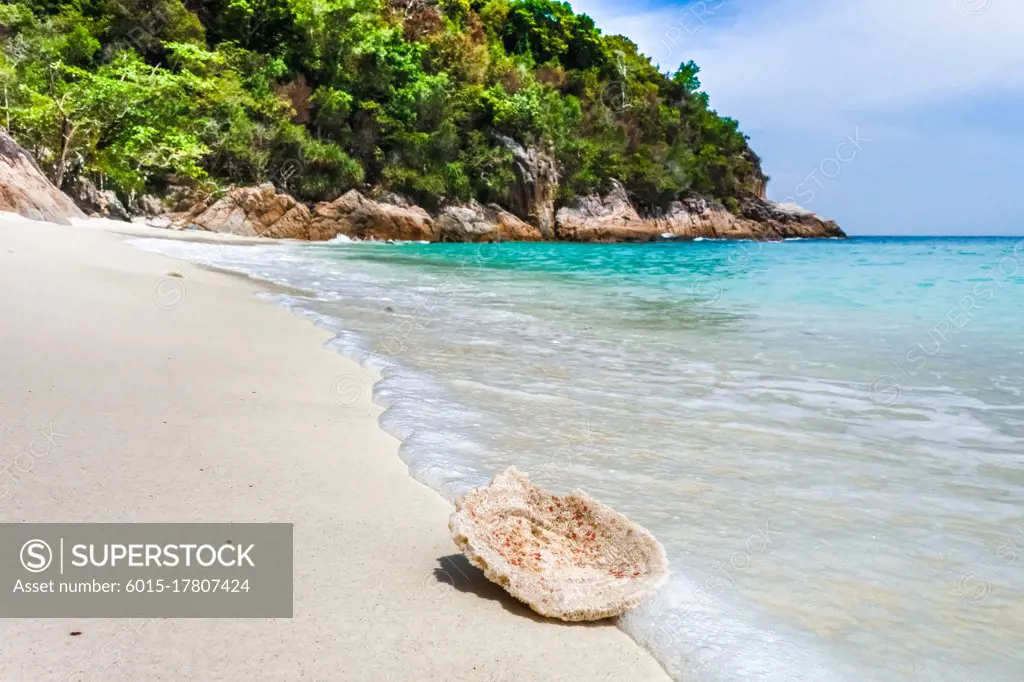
(219,408)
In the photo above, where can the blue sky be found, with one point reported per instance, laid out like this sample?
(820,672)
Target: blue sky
(928,96)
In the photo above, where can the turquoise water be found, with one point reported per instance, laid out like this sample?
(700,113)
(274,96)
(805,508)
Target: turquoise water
(827,436)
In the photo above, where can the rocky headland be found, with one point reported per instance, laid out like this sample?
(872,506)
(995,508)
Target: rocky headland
(429,121)
(266,211)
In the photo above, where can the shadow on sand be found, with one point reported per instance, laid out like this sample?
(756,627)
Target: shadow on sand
(454,572)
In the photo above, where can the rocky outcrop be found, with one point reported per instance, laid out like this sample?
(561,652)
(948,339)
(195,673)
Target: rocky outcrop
(790,220)
(254,212)
(98,202)
(533,197)
(612,218)
(355,216)
(475,223)
(693,217)
(760,219)
(262,211)
(568,557)
(25,190)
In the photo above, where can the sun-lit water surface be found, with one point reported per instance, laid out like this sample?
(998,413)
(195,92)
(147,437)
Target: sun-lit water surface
(828,437)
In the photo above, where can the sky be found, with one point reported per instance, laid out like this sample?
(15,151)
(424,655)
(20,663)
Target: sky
(889,116)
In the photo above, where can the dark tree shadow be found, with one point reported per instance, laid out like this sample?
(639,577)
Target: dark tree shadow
(456,571)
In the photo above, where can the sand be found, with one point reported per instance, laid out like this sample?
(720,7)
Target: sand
(190,399)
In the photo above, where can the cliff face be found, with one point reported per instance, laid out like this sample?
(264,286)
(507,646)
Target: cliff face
(533,197)
(26,191)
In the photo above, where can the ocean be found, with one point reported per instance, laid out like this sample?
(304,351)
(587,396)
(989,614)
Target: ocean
(827,436)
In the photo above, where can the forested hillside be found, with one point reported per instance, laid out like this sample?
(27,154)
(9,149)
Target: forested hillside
(321,96)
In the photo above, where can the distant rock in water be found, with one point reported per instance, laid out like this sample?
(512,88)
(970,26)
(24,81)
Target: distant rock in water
(25,190)
(568,557)
(612,218)
(789,220)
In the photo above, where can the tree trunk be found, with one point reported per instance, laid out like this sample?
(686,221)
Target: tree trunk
(66,133)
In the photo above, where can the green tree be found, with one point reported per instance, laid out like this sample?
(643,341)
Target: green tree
(321,96)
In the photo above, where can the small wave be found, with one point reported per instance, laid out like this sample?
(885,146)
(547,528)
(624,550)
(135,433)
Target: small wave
(510,392)
(698,431)
(698,637)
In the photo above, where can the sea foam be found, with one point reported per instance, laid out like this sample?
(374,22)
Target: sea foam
(818,528)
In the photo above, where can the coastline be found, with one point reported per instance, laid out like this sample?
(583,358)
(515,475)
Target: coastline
(610,218)
(186,398)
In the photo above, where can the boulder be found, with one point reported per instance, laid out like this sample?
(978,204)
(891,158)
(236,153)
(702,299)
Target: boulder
(695,216)
(149,206)
(262,211)
(533,197)
(512,229)
(358,217)
(611,218)
(253,212)
(101,202)
(25,190)
(475,223)
(570,557)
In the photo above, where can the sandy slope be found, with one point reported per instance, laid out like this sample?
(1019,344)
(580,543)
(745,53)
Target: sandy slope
(221,407)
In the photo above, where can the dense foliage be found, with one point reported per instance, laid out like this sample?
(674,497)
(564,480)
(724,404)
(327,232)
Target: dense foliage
(321,96)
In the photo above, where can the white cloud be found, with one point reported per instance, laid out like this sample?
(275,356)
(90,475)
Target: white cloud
(799,62)
(932,83)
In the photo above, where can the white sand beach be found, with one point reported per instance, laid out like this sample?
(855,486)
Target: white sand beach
(188,399)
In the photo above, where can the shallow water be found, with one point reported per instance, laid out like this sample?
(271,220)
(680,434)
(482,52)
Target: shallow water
(827,436)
